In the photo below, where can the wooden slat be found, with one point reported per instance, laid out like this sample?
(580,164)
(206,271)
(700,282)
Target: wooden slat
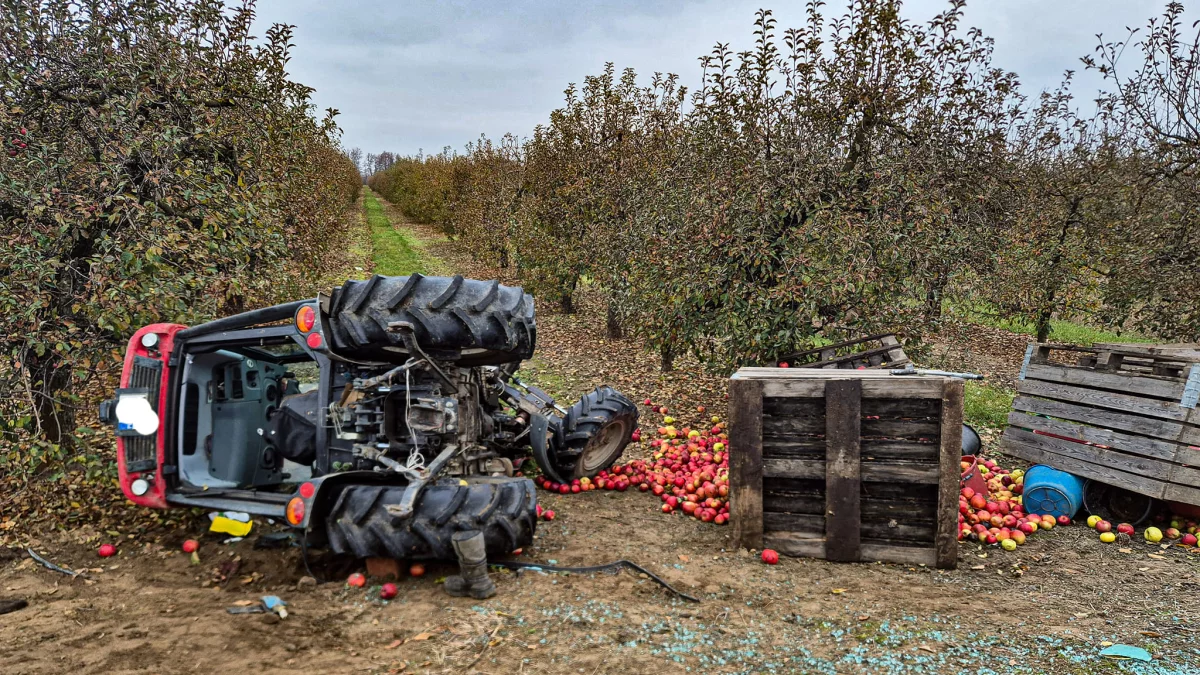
(908,429)
(815,548)
(1187,494)
(1135,464)
(1026,446)
(1146,426)
(910,450)
(946,543)
(1137,445)
(813,525)
(843,415)
(1171,390)
(889,386)
(754,373)
(872,471)
(1103,399)
(746,462)
(897,355)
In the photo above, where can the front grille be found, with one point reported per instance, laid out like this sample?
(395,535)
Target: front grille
(141,451)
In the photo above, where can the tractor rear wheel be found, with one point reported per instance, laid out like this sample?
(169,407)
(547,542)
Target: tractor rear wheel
(502,508)
(594,434)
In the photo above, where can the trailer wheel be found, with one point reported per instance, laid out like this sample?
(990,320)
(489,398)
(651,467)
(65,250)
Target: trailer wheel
(501,508)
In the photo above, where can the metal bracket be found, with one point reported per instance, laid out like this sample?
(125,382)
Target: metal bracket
(1025,364)
(1191,390)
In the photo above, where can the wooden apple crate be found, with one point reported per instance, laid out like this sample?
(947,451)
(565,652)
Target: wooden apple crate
(1124,415)
(846,465)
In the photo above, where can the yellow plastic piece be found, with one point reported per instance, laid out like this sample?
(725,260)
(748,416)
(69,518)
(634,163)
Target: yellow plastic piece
(234,528)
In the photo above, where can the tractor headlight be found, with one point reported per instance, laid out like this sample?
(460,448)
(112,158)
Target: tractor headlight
(139,487)
(149,340)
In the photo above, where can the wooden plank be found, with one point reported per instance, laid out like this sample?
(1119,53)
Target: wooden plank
(755,373)
(793,449)
(919,473)
(910,450)
(813,525)
(815,548)
(746,462)
(843,485)
(1135,464)
(909,429)
(1171,390)
(835,346)
(1103,399)
(1037,449)
(1182,493)
(888,386)
(1187,351)
(1137,445)
(1145,426)
(946,543)
(897,357)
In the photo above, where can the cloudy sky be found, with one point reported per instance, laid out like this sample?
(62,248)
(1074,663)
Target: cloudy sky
(409,75)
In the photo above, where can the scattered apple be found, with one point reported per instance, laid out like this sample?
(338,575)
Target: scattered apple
(548,514)
(1108,537)
(417,570)
(190,546)
(106,551)
(1125,528)
(1008,544)
(1153,534)
(1064,520)
(1173,533)
(357,580)
(1189,539)
(388,591)
(1092,520)
(1103,526)
(770,557)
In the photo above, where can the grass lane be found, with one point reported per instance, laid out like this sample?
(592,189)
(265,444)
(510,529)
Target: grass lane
(395,250)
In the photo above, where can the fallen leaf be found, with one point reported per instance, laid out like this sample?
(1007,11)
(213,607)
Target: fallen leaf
(423,636)
(837,591)
(243,603)
(978,567)
(1155,556)
(1106,643)
(863,617)
(394,644)
(1081,615)
(684,558)
(1125,550)
(1150,633)
(927,648)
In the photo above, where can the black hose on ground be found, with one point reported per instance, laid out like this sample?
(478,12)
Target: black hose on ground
(609,567)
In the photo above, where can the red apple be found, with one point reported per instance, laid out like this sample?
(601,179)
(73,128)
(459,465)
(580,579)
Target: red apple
(388,591)
(1125,528)
(1064,520)
(190,546)
(106,551)
(418,569)
(548,515)
(1188,540)
(356,580)
(1103,526)
(770,557)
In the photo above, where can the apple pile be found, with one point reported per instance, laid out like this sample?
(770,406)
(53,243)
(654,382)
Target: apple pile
(688,471)
(999,517)
(1182,532)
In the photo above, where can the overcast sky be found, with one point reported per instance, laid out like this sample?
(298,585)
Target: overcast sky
(409,75)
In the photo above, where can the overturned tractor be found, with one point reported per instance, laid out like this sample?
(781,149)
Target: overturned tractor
(383,418)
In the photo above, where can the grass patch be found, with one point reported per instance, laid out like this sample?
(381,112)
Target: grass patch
(394,251)
(1061,330)
(985,406)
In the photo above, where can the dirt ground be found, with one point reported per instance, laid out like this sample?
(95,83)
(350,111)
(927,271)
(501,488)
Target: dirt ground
(1048,607)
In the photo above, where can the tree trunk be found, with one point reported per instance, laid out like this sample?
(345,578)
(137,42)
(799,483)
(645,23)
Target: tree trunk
(613,322)
(667,354)
(933,298)
(566,303)
(503,258)
(49,379)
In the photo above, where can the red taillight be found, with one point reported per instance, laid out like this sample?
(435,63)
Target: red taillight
(306,316)
(295,511)
(307,490)
(314,340)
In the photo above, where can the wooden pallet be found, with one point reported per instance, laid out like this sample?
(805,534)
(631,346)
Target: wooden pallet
(1127,424)
(1144,359)
(846,465)
(874,351)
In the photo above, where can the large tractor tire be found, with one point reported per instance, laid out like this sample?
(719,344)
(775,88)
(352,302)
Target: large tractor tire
(467,322)
(502,508)
(594,434)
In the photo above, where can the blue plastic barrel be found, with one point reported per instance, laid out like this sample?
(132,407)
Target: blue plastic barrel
(1053,492)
